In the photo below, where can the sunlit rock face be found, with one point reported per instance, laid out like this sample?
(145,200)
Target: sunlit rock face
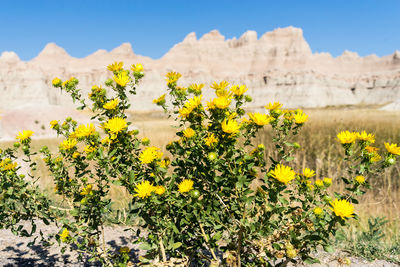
(277,66)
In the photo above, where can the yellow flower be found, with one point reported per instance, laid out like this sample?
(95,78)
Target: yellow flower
(56,82)
(239,90)
(318,211)
(65,235)
(300,118)
(319,183)
(327,181)
(150,154)
(347,137)
(392,148)
(189,106)
(219,86)
(360,179)
(122,79)
(112,104)
(116,66)
(260,119)
(172,77)
(76,154)
(185,186)
(164,163)
(222,102)
(7,165)
(137,68)
(273,106)
(159,190)
(24,135)
(85,131)
(53,123)
(189,133)
(144,189)
(210,105)
(342,208)
(106,140)
(230,126)
(87,190)
(211,140)
(197,88)
(371,149)
(89,149)
(124,250)
(68,144)
(308,173)
(370,138)
(375,158)
(283,174)
(115,125)
(160,100)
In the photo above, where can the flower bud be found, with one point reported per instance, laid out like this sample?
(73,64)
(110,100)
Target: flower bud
(109,82)
(248,98)
(212,156)
(390,160)
(17,145)
(261,147)
(296,145)
(145,141)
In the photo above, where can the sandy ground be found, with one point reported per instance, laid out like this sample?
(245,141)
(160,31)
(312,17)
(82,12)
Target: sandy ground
(14,251)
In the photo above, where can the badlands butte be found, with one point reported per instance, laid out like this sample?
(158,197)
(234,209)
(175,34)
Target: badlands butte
(278,66)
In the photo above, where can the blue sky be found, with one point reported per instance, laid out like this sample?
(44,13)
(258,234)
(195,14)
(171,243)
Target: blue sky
(154,26)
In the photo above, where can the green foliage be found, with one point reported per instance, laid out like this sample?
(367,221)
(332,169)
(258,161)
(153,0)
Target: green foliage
(217,195)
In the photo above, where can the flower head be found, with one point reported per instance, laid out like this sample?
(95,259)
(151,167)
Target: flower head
(68,144)
(359,179)
(300,118)
(122,79)
(87,190)
(318,211)
(230,126)
(283,174)
(342,208)
(26,134)
(116,66)
(115,125)
(347,137)
(137,68)
(196,88)
(85,131)
(222,102)
(319,183)
(189,133)
(56,82)
(65,235)
(189,106)
(150,154)
(327,181)
(260,119)
(370,138)
(159,189)
(172,77)
(392,148)
(144,189)
(239,90)
(124,250)
(53,123)
(185,186)
(7,165)
(210,140)
(308,173)
(112,104)
(273,106)
(160,100)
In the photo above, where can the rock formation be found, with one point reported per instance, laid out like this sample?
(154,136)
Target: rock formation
(278,66)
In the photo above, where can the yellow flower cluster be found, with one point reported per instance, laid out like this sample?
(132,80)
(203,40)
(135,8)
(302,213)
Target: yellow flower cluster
(53,123)
(88,190)
(346,137)
(137,68)
(145,188)
(65,235)
(273,106)
(7,164)
(196,88)
(150,154)
(221,102)
(160,100)
(364,136)
(189,106)
(283,174)
(211,139)
(24,135)
(300,117)
(308,173)
(359,179)
(239,90)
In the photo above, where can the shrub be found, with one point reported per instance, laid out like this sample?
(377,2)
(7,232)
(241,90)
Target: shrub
(218,200)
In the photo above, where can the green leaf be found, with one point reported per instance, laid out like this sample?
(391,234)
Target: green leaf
(145,246)
(117,182)
(176,245)
(329,249)
(311,260)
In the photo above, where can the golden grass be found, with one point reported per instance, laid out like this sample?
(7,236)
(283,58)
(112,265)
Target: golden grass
(320,150)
